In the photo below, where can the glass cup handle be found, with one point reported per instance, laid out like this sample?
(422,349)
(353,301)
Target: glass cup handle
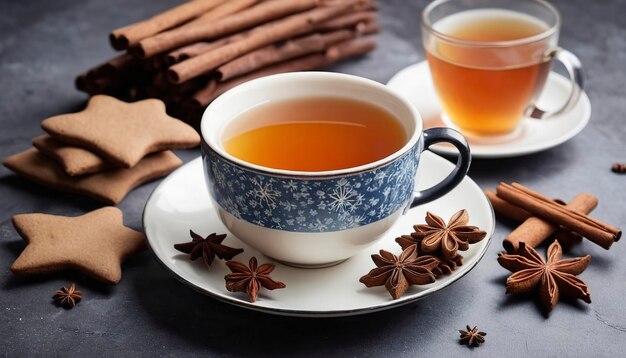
(574,69)
(438,135)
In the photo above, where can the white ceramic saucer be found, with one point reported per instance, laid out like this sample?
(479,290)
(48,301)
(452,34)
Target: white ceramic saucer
(415,84)
(181,202)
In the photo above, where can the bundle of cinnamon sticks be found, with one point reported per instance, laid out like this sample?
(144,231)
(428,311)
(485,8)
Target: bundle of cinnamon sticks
(190,54)
(542,217)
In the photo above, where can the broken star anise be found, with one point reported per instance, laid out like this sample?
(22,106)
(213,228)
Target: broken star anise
(397,273)
(435,236)
(208,248)
(249,279)
(68,296)
(472,337)
(554,277)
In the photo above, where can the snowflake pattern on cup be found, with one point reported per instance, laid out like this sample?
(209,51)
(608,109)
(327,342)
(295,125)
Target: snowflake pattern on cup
(311,205)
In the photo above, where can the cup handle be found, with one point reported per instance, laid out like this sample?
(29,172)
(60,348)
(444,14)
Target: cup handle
(574,69)
(437,135)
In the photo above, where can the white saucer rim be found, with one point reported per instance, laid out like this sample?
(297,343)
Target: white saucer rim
(310,313)
(512,151)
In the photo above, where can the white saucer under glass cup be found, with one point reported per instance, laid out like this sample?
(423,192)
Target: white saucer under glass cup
(489,61)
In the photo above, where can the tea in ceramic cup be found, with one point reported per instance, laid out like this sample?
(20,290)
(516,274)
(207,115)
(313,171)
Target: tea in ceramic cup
(489,61)
(311,167)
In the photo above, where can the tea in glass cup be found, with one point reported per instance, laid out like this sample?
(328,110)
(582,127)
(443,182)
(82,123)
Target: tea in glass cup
(489,61)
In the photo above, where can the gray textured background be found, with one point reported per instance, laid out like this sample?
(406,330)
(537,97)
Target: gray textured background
(45,43)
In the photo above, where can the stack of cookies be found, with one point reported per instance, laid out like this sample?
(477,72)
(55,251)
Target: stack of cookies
(106,150)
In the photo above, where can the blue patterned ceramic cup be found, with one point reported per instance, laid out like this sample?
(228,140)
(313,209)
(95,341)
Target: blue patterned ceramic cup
(315,219)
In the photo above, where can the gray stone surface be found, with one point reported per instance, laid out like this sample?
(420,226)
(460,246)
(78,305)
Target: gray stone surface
(44,44)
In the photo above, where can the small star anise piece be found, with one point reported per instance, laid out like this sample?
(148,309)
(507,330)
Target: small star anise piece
(208,248)
(397,273)
(553,277)
(619,168)
(251,278)
(68,297)
(435,236)
(472,337)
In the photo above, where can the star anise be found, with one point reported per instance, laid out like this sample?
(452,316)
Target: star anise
(472,337)
(554,277)
(435,236)
(249,279)
(68,297)
(619,168)
(397,273)
(208,248)
(446,266)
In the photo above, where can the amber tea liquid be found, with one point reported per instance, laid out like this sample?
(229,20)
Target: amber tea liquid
(484,91)
(314,134)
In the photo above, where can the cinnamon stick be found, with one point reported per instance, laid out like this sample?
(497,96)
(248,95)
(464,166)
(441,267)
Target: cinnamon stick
(331,38)
(154,64)
(117,64)
(189,51)
(197,48)
(277,53)
(203,31)
(367,28)
(112,68)
(186,52)
(203,97)
(598,232)
(226,8)
(193,50)
(335,53)
(263,35)
(533,231)
(364,5)
(565,237)
(347,20)
(81,83)
(504,208)
(348,49)
(129,35)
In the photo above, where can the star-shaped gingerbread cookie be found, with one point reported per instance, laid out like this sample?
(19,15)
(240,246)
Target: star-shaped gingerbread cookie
(74,160)
(95,243)
(110,186)
(120,132)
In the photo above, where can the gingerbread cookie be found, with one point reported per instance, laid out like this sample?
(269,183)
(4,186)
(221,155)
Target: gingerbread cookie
(120,132)
(95,243)
(74,160)
(109,186)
